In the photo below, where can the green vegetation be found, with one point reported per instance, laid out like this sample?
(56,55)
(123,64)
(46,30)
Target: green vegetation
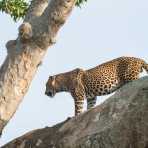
(80,2)
(15,8)
(18,8)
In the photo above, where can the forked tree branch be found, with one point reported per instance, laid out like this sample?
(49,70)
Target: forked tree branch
(36,34)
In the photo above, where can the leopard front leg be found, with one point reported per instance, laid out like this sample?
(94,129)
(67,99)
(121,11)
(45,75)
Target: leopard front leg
(78,106)
(78,100)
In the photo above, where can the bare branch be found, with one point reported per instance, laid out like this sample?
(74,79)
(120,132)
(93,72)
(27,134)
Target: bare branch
(36,9)
(45,27)
(58,15)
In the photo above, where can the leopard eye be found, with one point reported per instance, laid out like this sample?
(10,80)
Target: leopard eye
(51,77)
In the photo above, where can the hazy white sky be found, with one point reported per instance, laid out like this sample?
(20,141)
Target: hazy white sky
(100,31)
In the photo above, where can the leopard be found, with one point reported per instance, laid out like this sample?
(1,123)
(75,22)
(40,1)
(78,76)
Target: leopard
(101,80)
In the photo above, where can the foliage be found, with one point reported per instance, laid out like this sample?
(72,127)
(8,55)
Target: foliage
(18,8)
(15,8)
(80,2)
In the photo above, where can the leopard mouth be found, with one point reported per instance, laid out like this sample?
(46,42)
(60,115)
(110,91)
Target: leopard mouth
(50,94)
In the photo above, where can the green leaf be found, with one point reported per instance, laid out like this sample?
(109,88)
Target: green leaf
(18,8)
(15,8)
(80,2)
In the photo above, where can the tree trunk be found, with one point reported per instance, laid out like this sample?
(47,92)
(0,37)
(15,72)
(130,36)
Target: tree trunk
(120,122)
(43,20)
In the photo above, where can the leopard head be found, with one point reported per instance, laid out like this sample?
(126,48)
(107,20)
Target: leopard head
(63,82)
(51,86)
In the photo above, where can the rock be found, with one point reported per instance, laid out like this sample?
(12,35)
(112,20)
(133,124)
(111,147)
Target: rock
(120,122)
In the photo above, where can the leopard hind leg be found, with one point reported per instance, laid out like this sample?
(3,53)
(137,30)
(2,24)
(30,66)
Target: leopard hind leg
(91,102)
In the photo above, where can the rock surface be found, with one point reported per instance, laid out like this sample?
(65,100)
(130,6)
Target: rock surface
(120,122)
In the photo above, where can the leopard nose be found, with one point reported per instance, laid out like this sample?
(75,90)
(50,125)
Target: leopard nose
(48,93)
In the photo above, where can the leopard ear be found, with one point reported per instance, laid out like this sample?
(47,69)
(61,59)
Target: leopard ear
(51,77)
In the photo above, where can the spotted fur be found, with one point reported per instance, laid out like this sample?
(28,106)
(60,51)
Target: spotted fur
(101,80)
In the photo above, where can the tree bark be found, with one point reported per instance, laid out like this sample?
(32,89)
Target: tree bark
(38,31)
(120,122)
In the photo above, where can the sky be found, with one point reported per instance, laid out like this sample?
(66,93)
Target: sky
(100,31)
